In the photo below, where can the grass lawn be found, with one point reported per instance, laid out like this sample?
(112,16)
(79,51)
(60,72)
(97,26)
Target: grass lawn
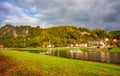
(115,49)
(39,49)
(15,63)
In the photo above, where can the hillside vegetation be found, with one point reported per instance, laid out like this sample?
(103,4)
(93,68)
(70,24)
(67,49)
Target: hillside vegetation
(27,36)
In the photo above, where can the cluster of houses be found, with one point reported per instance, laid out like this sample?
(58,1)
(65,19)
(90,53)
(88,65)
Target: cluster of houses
(90,43)
(95,44)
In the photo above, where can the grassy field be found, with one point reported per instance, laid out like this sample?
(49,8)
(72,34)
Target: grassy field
(56,48)
(39,49)
(114,50)
(14,63)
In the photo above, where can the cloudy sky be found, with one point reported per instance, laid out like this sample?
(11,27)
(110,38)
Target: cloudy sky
(102,14)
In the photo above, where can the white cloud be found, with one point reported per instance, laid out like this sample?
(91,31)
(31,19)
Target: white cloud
(21,20)
(16,16)
(11,8)
(87,13)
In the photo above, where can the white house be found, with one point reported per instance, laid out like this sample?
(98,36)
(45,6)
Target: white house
(96,43)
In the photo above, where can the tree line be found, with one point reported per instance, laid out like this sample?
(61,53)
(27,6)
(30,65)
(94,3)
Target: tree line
(27,36)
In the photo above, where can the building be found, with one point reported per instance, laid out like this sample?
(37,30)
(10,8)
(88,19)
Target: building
(83,45)
(50,45)
(96,43)
(70,45)
(114,43)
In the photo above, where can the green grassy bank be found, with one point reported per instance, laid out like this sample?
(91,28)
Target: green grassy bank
(14,63)
(114,49)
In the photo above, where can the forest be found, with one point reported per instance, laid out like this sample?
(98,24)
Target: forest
(60,36)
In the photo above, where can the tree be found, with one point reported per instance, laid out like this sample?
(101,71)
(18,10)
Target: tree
(27,36)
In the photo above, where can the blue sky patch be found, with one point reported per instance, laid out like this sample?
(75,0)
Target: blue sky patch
(11,1)
(29,13)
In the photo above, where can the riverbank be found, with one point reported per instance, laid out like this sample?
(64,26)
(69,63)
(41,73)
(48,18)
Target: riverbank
(24,63)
